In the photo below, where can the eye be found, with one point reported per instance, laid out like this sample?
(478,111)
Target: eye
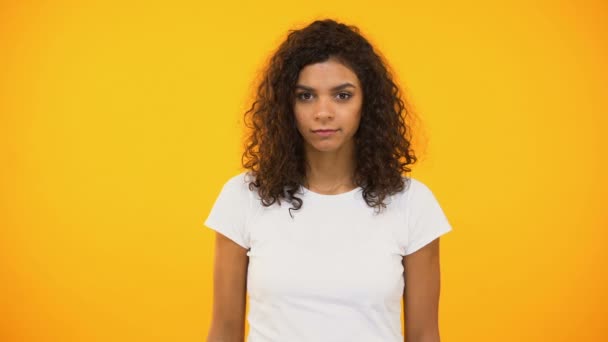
(344,96)
(304,96)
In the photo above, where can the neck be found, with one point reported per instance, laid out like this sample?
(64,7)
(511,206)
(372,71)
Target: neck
(330,172)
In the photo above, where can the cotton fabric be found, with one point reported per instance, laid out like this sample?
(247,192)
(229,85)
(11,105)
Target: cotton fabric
(334,271)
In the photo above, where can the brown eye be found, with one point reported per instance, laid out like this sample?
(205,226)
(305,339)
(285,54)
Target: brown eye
(304,96)
(344,96)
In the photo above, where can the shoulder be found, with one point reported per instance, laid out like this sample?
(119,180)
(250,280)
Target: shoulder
(239,182)
(417,195)
(414,187)
(236,189)
(420,200)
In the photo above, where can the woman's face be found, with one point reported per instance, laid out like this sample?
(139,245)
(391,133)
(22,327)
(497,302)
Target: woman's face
(328,100)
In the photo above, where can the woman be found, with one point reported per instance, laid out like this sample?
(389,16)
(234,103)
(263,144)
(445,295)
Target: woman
(324,231)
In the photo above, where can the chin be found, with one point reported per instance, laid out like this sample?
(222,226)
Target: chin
(326,148)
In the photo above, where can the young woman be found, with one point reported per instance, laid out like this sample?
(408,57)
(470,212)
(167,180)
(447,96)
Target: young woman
(324,230)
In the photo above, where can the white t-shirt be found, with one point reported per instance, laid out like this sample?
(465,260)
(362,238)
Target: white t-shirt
(332,273)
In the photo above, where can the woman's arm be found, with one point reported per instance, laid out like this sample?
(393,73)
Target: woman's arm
(421,294)
(229,291)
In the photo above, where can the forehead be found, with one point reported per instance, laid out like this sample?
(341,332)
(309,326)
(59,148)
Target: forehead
(326,74)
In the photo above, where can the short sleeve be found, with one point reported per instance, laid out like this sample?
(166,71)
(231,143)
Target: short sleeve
(426,220)
(228,215)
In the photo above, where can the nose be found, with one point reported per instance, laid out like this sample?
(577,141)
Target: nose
(324,109)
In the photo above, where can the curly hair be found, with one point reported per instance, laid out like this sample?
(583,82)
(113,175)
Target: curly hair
(274,148)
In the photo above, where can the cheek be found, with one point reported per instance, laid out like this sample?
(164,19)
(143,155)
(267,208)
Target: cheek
(299,121)
(300,115)
(354,114)
(297,117)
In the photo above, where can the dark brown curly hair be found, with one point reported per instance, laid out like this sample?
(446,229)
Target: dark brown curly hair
(274,148)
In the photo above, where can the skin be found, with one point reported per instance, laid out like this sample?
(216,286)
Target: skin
(421,294)
(229,291)
(328,96)
(323,102)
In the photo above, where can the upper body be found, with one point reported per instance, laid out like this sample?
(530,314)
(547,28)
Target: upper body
(333,273)
(327,235)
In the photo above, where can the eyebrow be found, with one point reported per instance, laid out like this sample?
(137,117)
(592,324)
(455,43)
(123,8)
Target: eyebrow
(340,87)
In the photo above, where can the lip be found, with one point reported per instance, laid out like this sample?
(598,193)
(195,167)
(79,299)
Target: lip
(325,132)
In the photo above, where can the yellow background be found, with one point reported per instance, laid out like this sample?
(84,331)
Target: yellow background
(120,121)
